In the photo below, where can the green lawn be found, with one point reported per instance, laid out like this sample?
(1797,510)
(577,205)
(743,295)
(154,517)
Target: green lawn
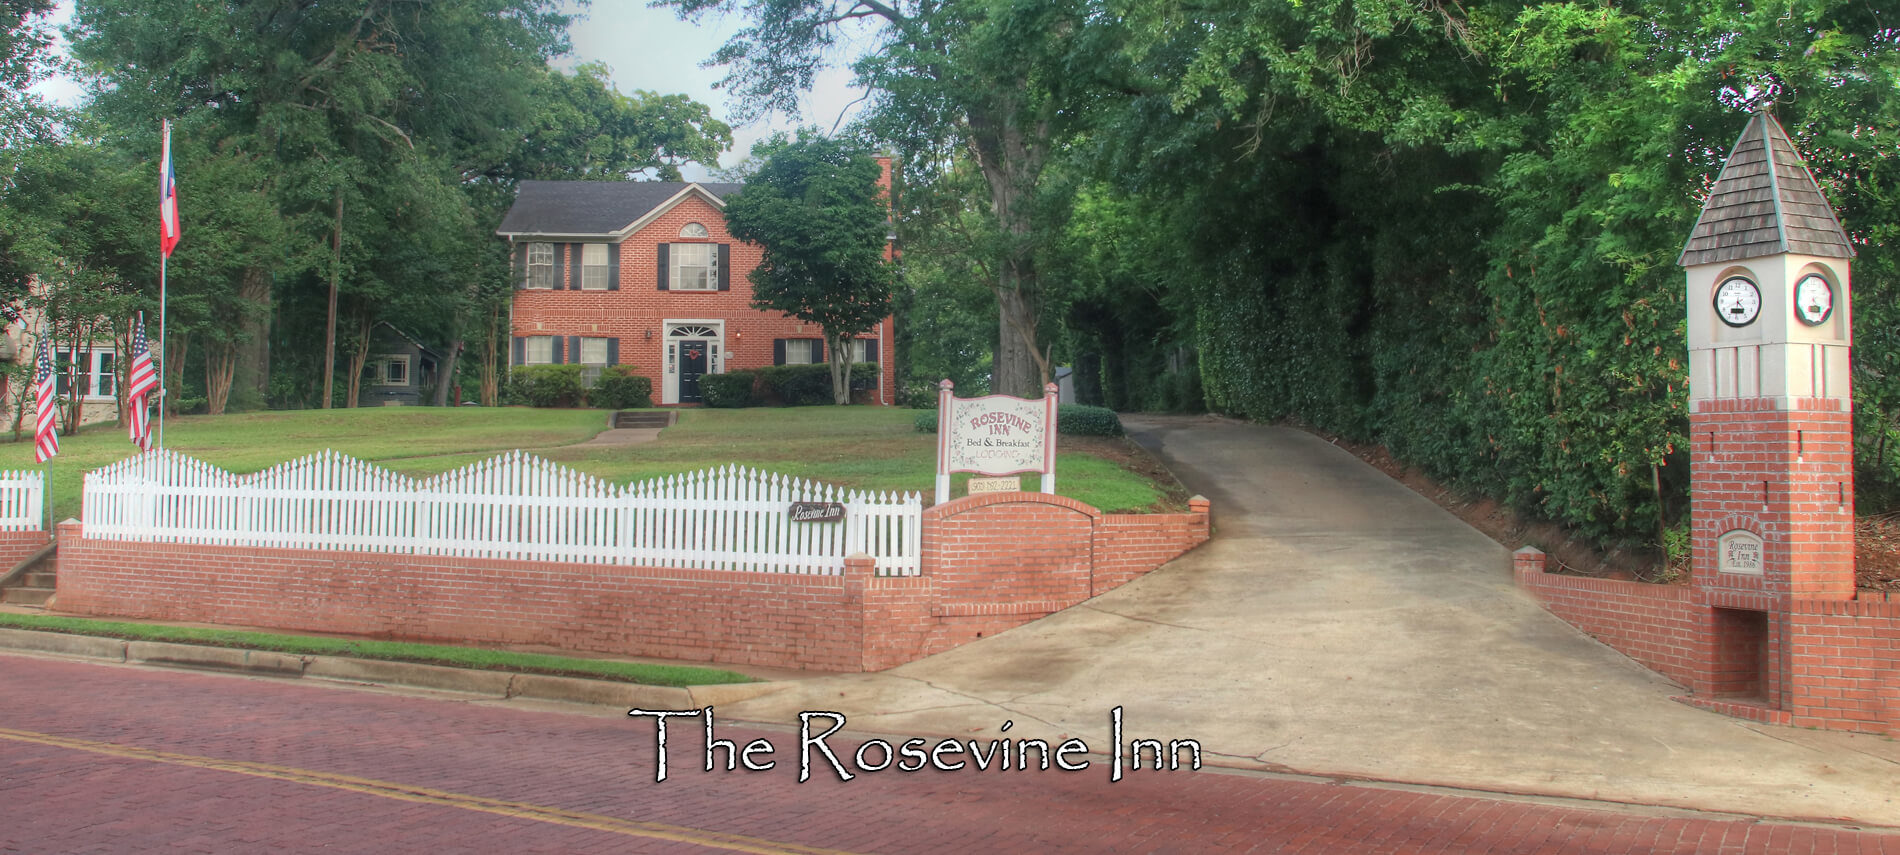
(860,447)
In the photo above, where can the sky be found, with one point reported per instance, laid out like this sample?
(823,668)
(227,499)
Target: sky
(647,49)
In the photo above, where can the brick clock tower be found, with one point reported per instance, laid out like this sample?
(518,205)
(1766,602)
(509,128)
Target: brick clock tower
(1771,437)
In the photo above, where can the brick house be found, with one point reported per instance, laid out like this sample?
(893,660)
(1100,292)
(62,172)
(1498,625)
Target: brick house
(645,274)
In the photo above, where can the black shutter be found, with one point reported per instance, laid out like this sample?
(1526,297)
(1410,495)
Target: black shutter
(613,267)
(576,272)
(870,349)
(725,267)
(663,267)
(521,350)
(521,267)
(574,349)
(613,351)
(557,351)
(778,351)
(560,266)
(818,351)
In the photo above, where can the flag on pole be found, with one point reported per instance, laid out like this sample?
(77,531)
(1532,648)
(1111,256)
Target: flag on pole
(45,429)
(167,198)
(139,386)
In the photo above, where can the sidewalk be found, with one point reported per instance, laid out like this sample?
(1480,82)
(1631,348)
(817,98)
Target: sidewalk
(1340,624)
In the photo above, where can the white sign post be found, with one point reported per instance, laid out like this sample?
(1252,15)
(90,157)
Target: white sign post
(995,435)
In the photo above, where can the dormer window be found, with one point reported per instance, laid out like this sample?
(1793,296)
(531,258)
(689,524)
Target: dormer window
(694,230)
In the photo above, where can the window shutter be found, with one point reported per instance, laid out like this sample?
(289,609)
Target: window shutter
(818,351)
(560,266)
(613,351)
(613,267)
(521,267)
(870,349)
(575,274)
(778,351)
(557,360)
(725,267)
(663,267)
(574,348)
(521,350)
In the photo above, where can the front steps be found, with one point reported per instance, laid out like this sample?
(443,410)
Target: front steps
(33,582)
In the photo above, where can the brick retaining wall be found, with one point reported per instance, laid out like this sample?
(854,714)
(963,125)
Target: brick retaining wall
(1842,657)
(15,546)
(990,563)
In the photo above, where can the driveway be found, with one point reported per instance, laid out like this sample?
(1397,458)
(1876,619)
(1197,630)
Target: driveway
(1340,624)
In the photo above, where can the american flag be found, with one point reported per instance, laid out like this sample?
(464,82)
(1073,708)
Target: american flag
(139,386)
(45,430)
(168,231)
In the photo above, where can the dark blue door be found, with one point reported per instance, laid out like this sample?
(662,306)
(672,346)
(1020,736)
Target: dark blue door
(692,364)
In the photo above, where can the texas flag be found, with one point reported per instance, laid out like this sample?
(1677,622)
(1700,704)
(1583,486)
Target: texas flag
(167,198)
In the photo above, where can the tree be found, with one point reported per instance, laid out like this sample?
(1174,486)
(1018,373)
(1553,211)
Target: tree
(815,206)
(986,76)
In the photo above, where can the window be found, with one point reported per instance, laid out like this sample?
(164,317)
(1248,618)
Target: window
(693,230)
(864,350)
(538,350)
(541,265)
(392,369)
(593,357)
(95,380)
(594,267)
(695,266)
(801,351)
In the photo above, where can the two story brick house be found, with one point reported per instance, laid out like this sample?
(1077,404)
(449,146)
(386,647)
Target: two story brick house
(645,274)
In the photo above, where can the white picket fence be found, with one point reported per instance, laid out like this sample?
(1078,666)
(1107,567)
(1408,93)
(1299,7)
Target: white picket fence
(514,506)
(22,501)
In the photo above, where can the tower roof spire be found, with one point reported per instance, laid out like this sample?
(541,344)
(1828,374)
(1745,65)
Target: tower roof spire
(1765,202)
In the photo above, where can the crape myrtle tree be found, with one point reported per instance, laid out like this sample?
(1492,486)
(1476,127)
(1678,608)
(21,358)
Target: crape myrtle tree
(989,77)
(815,206)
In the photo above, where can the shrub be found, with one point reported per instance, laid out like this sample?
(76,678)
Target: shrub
(803,385)
(927,421)
(545,385)
(1084,420)
(730,390)
(619,388)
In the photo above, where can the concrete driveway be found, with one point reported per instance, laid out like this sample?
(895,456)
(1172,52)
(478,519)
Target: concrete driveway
(1340,624)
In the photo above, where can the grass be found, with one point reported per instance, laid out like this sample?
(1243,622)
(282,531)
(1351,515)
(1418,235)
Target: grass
(871,448)
(393,651)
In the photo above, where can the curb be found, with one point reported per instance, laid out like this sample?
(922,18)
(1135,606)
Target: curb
(497,684)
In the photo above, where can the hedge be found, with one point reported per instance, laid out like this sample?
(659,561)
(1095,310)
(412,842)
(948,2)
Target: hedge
(730,390)
(805,385)
(545,385)
(619,388)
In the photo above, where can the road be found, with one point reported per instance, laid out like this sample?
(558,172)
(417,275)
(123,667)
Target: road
(110,758)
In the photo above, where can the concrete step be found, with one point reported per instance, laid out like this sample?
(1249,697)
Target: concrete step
(26,596)
(39,578)
(643,419)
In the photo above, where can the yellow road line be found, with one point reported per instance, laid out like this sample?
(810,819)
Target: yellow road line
(425,795)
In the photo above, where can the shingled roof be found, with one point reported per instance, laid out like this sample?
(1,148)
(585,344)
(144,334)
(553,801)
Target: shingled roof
(1764,203)
(586,208)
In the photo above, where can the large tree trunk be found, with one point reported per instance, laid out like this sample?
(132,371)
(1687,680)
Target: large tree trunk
(358,359)
(1011,158)
(445,373)
(221,359)
(253,356)
(840,367)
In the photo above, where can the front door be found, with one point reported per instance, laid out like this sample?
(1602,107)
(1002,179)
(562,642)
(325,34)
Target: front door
(692,365)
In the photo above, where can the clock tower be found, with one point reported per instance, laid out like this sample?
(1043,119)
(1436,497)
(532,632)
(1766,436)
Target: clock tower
(1771,437)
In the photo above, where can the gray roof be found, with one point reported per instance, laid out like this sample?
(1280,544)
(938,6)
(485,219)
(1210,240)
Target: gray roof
(591,207)
(1764,203)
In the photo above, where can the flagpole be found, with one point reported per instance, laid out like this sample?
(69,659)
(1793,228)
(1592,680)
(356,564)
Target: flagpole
(164,356)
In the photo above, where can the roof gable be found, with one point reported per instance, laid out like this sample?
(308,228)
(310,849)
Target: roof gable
(1765,202)
(612,209)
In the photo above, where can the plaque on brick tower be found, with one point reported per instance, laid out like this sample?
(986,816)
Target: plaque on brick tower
(1771,444)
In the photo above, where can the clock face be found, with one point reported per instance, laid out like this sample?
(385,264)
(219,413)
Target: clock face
(1813,300)
(1737,302)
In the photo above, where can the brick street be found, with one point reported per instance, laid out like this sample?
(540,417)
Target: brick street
(110,758)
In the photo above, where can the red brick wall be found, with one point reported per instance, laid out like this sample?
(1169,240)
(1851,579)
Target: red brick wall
(990,563)
(1846,665)
(15,546)
(1657,625)
(639,308)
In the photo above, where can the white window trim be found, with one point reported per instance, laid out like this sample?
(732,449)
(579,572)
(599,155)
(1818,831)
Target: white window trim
(808,357)
(99,354)
(594,274)
(384,360)
(676,262)
(533,266)
(527,350)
